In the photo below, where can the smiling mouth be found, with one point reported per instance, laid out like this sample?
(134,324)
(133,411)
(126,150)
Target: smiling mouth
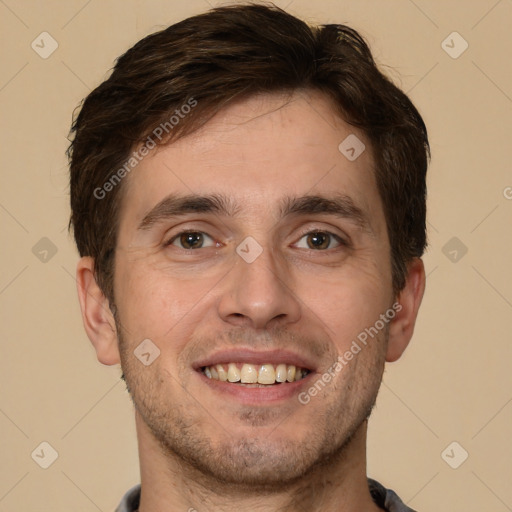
(255,375)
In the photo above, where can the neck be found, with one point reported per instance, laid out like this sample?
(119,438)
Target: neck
(170,485)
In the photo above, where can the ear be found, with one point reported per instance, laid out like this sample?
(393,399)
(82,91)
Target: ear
(98,320)
(402,326)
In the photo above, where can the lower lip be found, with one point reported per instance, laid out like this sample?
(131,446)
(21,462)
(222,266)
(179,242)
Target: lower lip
(257,395)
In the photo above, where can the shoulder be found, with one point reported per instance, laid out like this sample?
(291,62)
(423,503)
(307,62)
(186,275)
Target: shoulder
(386,498)
(130,501)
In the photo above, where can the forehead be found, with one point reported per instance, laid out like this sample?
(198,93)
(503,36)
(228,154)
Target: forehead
(258,150)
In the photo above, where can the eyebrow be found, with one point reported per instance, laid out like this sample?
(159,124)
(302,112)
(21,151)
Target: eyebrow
(177,205)
(339,205)
(173,205)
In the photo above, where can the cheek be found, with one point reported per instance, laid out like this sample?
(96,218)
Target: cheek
(347,302)
(158,304)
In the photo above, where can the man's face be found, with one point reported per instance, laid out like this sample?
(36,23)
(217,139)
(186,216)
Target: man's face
(299,291)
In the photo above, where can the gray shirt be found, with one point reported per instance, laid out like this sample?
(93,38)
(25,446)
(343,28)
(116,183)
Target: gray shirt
(384,498)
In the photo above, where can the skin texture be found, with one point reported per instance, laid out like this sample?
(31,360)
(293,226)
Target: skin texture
(207,450)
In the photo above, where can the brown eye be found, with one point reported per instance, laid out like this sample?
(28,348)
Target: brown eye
(319,240)
(190,240)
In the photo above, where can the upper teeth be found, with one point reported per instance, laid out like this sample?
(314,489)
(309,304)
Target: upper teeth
(252,374)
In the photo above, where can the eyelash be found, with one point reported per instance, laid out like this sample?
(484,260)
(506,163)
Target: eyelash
(342,242)
(177,235)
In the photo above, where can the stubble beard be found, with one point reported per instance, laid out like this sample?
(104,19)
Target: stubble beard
(260,463)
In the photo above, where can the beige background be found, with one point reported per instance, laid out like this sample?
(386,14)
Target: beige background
(454,382)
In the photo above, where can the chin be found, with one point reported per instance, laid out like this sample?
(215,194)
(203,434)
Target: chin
(256,463)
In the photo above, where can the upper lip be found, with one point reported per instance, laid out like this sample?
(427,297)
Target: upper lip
(241,355)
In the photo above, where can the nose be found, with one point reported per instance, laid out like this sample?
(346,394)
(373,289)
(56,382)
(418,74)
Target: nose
(259,294)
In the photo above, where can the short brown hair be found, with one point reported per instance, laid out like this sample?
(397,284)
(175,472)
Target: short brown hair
(230,53)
